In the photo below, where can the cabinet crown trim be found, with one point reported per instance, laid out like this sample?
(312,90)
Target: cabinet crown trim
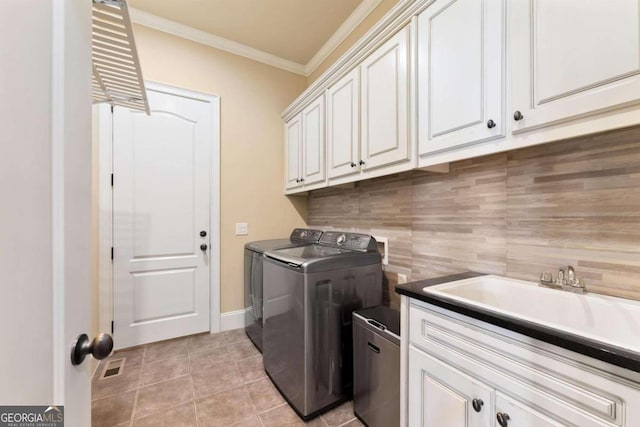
(398,17)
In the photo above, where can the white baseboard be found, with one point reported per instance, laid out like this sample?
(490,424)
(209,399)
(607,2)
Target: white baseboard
(232,320)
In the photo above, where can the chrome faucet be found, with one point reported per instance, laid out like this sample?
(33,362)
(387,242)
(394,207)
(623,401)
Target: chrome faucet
(567,281)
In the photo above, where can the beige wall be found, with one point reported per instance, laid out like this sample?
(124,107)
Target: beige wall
(252,96)
(354,36)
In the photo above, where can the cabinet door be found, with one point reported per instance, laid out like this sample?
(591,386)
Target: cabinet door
(520,415)
(385,103)
(440,395)
(572,58)
(313,143)
(293,145)
(343,125)
(460,73)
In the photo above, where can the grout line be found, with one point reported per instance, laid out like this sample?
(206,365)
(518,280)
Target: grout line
(193,399)
(135,406)
(350,421)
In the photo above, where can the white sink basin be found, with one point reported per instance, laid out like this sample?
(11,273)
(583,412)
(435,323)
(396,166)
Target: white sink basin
(614,321)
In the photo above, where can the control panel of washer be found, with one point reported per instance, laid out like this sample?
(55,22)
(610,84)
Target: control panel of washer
(353,241)
(305,235)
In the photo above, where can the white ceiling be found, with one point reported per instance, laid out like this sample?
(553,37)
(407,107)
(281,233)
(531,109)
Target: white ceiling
(294,30)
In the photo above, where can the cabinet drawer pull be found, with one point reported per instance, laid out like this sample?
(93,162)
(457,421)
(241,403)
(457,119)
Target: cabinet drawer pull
(477,404)
(491,124)
(373,348)
(517,116)
(503,419)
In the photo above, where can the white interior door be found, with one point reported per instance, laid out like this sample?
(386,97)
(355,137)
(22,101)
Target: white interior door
(161,207)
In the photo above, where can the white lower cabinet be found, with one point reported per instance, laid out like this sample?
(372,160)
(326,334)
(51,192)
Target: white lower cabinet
(461,372)
(443,396)
(510,412)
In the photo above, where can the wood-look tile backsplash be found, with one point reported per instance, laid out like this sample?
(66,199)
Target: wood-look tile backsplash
(516,214)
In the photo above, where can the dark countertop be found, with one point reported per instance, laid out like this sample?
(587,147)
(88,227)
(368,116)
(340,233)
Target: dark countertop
(607,353)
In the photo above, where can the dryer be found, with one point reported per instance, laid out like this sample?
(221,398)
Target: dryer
(253,283)
(308,305)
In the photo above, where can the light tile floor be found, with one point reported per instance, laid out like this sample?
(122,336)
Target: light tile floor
(198,381)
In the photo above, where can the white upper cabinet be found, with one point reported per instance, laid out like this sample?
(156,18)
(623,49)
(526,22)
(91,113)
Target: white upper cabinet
(313,143)
(385,103)
(461,64)
(293,155)
(343,126)
(305,147)
(572,58)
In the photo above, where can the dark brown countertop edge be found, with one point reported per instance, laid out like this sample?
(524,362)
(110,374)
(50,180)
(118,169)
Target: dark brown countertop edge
(601,351)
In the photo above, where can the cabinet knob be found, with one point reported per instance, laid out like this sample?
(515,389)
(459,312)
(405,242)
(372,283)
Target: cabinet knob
(491,124)
(353,165)
(477,404)
(503,419)
(203,247)
(361,162)
(301,179)
(517,116)
(297,179)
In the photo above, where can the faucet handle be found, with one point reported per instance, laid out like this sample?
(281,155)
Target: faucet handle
(561,277)
(571,275)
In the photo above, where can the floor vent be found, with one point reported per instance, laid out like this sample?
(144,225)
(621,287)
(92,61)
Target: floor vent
(113,368)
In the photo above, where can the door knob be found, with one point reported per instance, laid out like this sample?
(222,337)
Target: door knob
(517,116)
(203,233)
(203,247)
(491,124)
(477,404)
(100,347)
(503,419)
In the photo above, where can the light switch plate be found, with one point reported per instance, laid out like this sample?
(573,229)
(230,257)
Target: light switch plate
(242,228)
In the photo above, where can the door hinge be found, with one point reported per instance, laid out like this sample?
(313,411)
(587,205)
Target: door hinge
(111,253)
(112,180)
(112,326)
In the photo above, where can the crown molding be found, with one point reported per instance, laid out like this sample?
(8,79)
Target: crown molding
(357,16)
(394,20)
(186,32)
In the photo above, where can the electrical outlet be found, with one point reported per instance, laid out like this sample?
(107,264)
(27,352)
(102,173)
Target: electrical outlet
(242,228)
(402,278)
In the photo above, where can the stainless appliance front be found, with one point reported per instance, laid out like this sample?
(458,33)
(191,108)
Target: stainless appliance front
(253,277)
(308,322)
(376,376)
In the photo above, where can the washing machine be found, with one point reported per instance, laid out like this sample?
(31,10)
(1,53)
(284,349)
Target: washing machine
(308,305)
(253,283)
